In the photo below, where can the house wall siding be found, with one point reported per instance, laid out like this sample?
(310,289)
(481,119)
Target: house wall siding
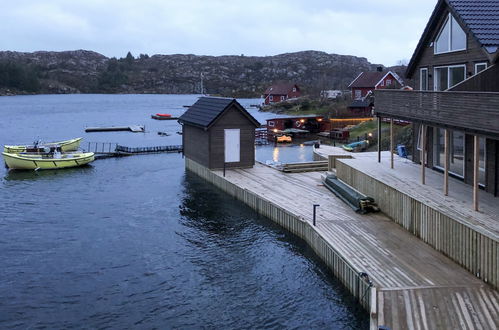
(196,144)
(232,119)
(473,54)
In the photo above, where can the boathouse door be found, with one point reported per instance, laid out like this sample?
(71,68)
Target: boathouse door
(232,141)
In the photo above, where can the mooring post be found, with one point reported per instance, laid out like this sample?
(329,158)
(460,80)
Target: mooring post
(315,207)
(224,169)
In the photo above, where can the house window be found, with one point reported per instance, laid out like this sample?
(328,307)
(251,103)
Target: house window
(358,94)
(423,79)
(446,77)
(294,89)
(382,83)
(456,151)
(271,98)
(282,97)
(388,82)
(451,37)
(480,67)
(271,124)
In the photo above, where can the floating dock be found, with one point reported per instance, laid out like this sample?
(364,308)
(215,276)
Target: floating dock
(402,281)
(132,128)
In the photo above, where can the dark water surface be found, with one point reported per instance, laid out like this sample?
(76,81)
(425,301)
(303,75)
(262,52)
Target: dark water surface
(139,243)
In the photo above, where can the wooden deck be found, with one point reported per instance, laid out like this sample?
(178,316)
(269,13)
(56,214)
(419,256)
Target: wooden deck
(418,287)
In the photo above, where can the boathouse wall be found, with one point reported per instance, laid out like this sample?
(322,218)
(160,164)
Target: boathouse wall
(196,143)
(232,119)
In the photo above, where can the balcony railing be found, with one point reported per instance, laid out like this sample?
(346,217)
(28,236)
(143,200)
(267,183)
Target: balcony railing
(476,112)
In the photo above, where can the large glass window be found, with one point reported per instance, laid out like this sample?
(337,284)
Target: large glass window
(423,76)
(441,79)
(456,151)
(450,38)
(481,161)
(448,76)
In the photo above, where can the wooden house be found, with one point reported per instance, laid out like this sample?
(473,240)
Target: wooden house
(363,86)
(310,123)
(281,92)
(455,105)
(366,82)
(218,133)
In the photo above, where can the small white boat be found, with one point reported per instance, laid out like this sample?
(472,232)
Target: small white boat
(48,161)
(68,145)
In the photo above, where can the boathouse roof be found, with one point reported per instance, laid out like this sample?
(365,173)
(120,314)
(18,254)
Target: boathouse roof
(205,112)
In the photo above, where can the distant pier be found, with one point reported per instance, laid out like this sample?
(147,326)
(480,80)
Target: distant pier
(132,128)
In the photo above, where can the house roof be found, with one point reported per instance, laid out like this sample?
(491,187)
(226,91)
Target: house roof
(479,17)
(371,79)
(207,110)
(363,103)
(281,88)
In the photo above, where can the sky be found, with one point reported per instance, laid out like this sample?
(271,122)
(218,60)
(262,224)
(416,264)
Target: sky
(383,31)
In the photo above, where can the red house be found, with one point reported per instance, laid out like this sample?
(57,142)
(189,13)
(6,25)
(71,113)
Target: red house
(281,92)
(366,83)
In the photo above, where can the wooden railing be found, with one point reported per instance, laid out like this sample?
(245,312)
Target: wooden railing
(476,112)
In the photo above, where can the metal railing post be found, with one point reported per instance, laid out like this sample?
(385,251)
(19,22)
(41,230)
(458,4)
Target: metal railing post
(315,212)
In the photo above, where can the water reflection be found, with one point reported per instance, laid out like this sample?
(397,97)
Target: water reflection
(285,153)
(18,175)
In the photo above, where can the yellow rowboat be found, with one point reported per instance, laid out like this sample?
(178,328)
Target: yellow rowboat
(68,145)
(52,161)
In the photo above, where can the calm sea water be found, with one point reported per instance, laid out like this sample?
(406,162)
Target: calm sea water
(138,242)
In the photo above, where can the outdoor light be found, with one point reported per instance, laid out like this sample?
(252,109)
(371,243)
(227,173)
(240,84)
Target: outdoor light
(370,134)
(319,119)
(275,130)
(302,121)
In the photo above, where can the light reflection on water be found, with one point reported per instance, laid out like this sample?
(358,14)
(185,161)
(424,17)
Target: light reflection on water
(285,153)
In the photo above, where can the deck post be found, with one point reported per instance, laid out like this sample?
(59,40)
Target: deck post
(423,153)
(391,143)
(446,162)
(379,139)
(476,164)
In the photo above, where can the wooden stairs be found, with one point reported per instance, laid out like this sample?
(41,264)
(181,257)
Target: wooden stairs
(317,166)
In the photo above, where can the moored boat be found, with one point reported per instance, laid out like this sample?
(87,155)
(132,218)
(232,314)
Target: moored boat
(49,161)
(65,146)
(163,116)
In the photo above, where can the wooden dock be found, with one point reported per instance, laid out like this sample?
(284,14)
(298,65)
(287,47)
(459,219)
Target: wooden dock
(132,128)
(107,149)
(414,285)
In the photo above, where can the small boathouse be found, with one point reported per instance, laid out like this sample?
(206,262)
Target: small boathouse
(219,133)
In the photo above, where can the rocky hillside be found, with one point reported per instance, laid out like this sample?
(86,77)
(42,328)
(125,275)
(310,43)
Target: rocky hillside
(239,76)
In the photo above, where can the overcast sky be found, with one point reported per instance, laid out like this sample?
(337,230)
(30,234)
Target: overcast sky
(384,31)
